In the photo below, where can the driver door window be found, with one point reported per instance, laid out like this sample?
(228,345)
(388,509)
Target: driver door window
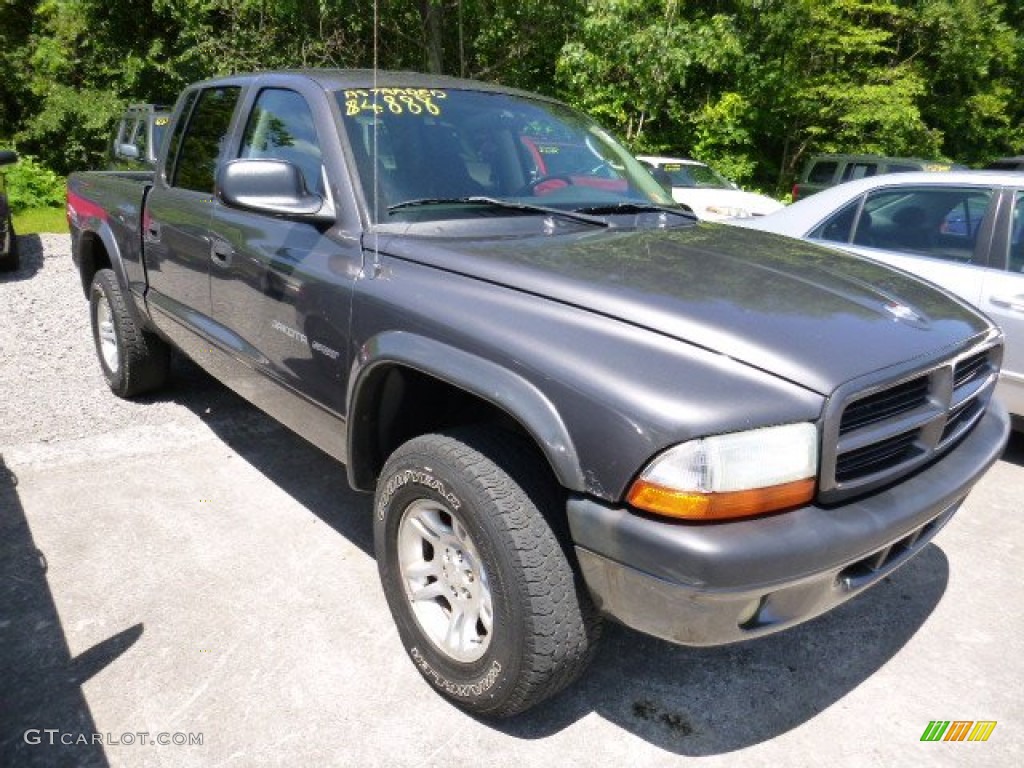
(280,127)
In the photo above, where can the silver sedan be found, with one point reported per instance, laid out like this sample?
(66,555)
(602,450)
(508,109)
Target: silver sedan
(963,230)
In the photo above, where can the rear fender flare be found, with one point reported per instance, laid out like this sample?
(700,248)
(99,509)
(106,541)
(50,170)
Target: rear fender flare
(87,267)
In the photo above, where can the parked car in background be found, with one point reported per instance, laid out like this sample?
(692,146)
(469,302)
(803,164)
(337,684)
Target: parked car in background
(963,230)
(1007,164)
(709,194)
(8,242)
(138,136)
(824,171)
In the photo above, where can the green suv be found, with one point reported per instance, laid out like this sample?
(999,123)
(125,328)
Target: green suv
(822,171)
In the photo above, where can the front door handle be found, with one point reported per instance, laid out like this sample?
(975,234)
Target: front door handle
(1012,303)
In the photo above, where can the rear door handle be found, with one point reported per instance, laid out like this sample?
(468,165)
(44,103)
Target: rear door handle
(1012,303)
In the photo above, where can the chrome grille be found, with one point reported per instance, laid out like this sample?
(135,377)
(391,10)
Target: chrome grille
(877,432)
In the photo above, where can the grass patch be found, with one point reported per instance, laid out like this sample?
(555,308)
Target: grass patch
(36,221)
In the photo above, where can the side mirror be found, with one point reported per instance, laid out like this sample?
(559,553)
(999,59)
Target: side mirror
(7,157)
(274,187)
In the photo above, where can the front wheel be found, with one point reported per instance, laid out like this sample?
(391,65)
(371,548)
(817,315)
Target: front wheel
(133,360)
(486,602)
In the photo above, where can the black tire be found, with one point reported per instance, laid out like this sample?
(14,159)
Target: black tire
(133,360)
(490,490)
(10,259)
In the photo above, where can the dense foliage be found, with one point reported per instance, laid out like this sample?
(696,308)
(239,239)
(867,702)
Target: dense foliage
(752,86)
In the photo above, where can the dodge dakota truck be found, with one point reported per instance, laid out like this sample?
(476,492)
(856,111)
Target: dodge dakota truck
(570,399)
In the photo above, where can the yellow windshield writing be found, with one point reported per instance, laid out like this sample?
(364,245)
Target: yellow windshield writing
(396,101)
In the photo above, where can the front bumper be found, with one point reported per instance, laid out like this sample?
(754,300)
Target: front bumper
(709,584)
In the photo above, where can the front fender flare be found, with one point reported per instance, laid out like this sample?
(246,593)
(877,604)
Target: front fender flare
(504,389)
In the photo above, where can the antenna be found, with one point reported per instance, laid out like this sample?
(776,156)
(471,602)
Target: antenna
(375,161)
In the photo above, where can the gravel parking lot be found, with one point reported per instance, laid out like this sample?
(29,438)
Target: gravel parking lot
(183,569)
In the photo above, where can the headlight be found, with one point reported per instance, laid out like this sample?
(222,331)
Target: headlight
(735,475)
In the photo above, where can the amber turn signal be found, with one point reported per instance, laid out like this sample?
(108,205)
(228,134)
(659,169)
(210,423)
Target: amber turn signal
(690,505)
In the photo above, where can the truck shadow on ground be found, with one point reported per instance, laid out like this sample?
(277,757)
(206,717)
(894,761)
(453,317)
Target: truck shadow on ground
(30,248)
(1014,452)
(42,704)
(709,701)
(688,701)
(304,472)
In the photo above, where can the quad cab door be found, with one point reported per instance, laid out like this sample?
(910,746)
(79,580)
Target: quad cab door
(176,220)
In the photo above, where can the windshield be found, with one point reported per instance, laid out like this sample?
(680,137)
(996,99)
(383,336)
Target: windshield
(687,175)
(441,147)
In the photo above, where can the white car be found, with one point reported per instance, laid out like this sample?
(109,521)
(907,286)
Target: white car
(963,230)
(710,195)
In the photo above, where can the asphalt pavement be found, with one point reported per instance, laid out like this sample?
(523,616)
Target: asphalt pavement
(182,569)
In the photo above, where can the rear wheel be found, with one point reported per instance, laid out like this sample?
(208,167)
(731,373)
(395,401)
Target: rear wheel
(133,361)
(481,589)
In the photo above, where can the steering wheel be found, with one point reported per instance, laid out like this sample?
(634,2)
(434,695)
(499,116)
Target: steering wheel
(545,185)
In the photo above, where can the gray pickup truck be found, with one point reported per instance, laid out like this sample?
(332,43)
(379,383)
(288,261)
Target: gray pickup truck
(571,400)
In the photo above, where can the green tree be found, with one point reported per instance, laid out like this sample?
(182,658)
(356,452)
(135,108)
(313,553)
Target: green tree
(751,86)
(85,59)
(969,52)
(645,66)
(15,33)
(829,76)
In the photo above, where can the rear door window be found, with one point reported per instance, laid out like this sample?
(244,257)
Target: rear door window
(203,140)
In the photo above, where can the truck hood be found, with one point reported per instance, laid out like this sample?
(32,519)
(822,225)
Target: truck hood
(811,315)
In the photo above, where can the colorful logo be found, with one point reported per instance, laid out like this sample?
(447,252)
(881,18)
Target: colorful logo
(958,730)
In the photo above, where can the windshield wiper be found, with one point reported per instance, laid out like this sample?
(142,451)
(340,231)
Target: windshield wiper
(496,202)
(612,208)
